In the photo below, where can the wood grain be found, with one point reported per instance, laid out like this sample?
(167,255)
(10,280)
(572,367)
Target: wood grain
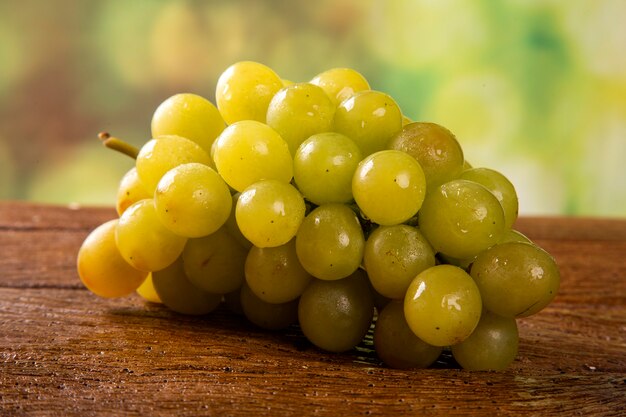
(64,351)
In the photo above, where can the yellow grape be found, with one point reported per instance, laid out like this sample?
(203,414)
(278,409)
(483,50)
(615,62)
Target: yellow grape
(101,267)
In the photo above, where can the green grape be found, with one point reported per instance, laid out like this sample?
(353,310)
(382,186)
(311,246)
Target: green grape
(267,315)
(397,345)
(215,263)
(370,118)
(244,91)
(492,345)
(250,151)
(299,111)
(512,235)
(434,147)
(192,200)
(275,274)
(323,168)
(442,305)
(340,83)
(190,116)
(130,190)
(406,120)
(336,315)
(389,187)
(101,267)
(163,153)
(461,219)
(330,242)
(499,186)
(147,292)
(143,241)
(269,213)
(178,294)
(516,279)
(233,228)
(393,256)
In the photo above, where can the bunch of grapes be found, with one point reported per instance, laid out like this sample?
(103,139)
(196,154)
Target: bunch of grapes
(318,203)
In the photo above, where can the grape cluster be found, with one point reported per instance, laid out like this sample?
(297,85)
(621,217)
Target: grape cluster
(319,203)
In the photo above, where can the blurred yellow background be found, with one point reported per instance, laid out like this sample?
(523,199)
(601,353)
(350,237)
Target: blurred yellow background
(535,89)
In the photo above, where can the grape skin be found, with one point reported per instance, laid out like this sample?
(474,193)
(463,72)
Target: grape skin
(389,187)
(461,218)
(442,305)
(130,190)
(335,315)
(393,256)
(190,116)
(250,151)
(491,346)
(269,213)
(330,242)
(397,345)
(143,241)
(192,200)
(340,83)
(324,165)
(370,118)
(299,111)
(516,279)
(179,294)
(101,267)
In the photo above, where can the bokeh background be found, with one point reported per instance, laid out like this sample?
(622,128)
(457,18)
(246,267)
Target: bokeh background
(533,88)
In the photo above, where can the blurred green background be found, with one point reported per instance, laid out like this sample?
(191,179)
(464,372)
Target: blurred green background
(535,89)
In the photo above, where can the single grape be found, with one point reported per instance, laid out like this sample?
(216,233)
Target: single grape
(500,186)
(516,279)
(130,190)
(442,305)
(267,315)
(163,153)
(190,116)
(335,315)
(406,120)
(192,200)
(389,187)
(461,219)
(434,147)
(101,267)
(330,242)
(340,83)
(147,292)
(143,241)
(393,256)
(269,213)
(178,294)
(492,345)
(215,263)
(244,91)
(250,151)
(397,345)
(299,111)
(323,168)
(370,118)
(275,274)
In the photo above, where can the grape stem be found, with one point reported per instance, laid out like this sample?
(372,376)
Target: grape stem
(118,144)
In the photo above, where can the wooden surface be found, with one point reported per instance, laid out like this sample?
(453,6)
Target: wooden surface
(64,351)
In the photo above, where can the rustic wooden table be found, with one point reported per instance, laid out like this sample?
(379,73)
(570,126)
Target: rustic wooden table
(65,351)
